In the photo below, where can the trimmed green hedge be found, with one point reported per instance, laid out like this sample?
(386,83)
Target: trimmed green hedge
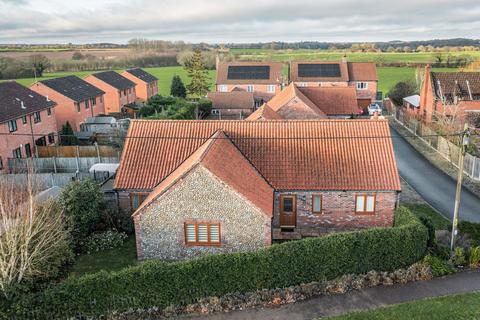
(160,284)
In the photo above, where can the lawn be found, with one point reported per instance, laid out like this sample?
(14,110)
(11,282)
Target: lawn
(464,306)
(424,210)
(109,260)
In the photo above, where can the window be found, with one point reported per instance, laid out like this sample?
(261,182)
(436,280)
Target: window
(250,88)
(222,88)
(12,125)
(317,203)
(28,150)
(17,153)
(287,204)
(362,85)
(125,92)
(202,234)
(36,117)
(271,88)
(24,119)
(1,163)
(77,105)
(365,203)
(49,111)
(302,84)
(93,102)
(51,138)
(136,199)
(86,104)
(215,111)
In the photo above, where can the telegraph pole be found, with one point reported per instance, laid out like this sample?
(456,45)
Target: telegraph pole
(465,141)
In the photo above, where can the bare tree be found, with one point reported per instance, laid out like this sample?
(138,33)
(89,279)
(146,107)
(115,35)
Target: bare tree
(34,242)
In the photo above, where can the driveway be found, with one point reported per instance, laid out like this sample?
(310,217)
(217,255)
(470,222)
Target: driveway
(436,187)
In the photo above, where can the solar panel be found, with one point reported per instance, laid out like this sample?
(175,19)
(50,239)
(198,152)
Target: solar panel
(248,73)
(319,70)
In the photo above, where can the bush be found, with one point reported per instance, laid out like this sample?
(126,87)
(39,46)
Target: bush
(104,240)
(458,258)
(427,222)
(475,257)
(472,230)
(439,267)
(159,284)
(82,202)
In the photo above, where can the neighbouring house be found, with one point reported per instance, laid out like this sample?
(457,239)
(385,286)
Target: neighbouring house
(27,120)
(234,105)
(360,75)
(223,186)
(446,89)
(309,103)
(263,79)
(411,105)
(146,85)
(119,91)
(76,99)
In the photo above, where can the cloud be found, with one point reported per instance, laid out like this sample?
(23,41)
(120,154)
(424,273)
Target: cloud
(236,21)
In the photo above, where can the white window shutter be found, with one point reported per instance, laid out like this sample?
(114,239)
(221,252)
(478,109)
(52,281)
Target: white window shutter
(214,233)
(191,237)
(202,233)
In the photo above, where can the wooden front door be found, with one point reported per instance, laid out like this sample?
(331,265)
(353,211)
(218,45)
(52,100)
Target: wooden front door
(288,211)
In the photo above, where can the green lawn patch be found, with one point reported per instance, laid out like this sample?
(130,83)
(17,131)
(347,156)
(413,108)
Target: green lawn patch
(424,210)
(108,260)
(463,306)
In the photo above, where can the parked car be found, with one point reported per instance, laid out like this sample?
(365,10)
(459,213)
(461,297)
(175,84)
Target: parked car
(374,107)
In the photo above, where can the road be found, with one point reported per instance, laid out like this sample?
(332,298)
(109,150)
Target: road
(436,187)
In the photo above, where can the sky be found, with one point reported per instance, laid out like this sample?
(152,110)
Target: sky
(233,21)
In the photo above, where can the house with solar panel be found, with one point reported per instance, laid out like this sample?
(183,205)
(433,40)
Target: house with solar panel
(120,94)
(27,120)
(76,99)
(146,84)
(263,79)
(209,186)
(362,76)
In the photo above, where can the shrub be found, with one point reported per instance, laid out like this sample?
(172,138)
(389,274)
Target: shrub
(427,222)
(82,202)
(472,230)
(104,240)
(475,257)
(439,267)
(159,284)
(458,258)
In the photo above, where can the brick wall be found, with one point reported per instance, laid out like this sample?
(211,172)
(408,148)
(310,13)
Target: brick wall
(338,213)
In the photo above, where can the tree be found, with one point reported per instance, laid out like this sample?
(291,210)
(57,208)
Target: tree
(177,88)
(67,138)
(82,202)
(401,90)
(195,67)
(34,242)
(39,63)
(77,55)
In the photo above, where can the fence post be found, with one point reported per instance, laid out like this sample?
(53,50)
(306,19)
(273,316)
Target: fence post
(55,164)
(98,152)
(77,160)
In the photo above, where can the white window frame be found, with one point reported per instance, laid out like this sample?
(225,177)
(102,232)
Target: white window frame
(362,85)
(301,84)
(12,125)
(271,88)
(222,88)
(250,88)
(215,111)
(365,203)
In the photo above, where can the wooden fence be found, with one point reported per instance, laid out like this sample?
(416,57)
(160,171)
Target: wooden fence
(77,151)
(444,147)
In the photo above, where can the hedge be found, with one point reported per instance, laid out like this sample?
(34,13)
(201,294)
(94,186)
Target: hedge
(160,284)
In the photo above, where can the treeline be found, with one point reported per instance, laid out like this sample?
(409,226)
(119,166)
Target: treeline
(380,46)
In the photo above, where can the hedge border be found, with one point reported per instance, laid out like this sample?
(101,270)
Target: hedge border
(160,284)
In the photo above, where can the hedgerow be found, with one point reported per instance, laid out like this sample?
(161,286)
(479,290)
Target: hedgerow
(160,284)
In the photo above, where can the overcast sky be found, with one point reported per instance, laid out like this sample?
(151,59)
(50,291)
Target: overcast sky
(87,21)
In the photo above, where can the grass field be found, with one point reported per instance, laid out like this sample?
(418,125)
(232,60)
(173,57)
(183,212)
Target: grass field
(305,54)
(388,76)
(459,307)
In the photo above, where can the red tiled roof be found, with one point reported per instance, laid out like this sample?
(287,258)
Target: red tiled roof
(291,155)
(362,71)
(333,100)
(220,156)
(231,100)
(264,113)
(275,73)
